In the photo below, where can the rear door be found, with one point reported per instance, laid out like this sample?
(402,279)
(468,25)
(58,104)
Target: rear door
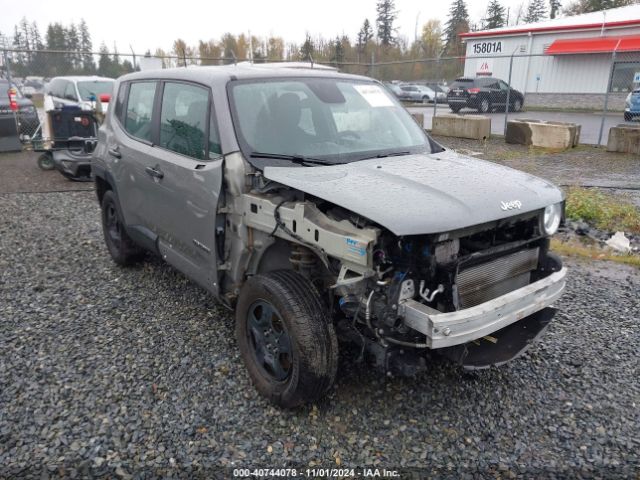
(188,180)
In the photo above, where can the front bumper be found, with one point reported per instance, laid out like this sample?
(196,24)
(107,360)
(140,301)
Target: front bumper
(456,328)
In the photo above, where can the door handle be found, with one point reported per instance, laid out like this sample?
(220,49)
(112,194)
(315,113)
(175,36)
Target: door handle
(154,172)
(114,152)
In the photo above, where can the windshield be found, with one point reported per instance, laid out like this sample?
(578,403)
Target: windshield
(333,119)
(94,87)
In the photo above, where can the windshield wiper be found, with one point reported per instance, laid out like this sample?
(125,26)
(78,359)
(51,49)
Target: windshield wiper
(385,155)
(301,159)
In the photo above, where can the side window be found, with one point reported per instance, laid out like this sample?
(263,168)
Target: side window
(57,89)
(215,150)
(70,92)
(184,119)
(503,85)
(119,108)
(139,108)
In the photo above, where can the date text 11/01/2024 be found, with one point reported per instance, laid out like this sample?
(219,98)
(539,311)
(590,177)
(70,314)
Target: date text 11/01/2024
(315,473)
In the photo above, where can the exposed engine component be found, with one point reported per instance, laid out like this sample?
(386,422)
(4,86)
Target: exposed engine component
(443,274)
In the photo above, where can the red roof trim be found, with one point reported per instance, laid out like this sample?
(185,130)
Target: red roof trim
(568,46)
(586,26)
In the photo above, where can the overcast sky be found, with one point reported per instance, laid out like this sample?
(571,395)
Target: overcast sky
(148,25)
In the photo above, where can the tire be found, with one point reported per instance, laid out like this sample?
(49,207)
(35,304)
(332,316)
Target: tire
(455,109)
(122,249)
(484,106)
(45,161)
(425,100)
(286,306)
(628,117)
(517,105)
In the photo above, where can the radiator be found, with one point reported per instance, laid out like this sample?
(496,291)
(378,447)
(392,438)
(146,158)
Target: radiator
(496,277)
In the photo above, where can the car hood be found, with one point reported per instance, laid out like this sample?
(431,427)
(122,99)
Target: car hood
(424,193)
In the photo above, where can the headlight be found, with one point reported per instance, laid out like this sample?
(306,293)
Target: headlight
(551,218)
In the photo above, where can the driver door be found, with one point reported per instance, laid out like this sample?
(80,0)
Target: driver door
(187,180)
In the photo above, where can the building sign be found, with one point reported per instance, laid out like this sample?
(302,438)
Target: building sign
(487,48)
(484,66)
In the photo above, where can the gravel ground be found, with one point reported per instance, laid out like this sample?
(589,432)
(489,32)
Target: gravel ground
(19,172)
(108,371)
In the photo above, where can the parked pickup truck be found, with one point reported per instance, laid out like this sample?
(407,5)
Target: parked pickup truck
(312,204)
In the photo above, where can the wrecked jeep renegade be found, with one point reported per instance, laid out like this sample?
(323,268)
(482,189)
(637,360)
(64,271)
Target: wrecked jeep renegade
(312,203)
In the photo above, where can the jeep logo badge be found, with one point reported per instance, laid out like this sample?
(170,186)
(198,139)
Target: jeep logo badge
(512,205)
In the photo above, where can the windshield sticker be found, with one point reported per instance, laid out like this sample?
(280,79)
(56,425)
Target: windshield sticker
(374,95)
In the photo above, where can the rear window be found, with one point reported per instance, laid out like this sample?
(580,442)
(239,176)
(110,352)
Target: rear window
(462,83)
(95,88)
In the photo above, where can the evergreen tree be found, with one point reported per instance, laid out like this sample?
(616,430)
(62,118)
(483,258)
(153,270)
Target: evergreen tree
(86,46)
(72,41)
(56,39)
(307,50)
(495,15)
(365,35)
(586,6)
(387,14)
(536,11)
(457,23)
(338,51)
(105,64)
(554,8)
(36,37)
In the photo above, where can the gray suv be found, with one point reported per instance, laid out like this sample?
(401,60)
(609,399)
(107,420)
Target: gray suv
(312,203)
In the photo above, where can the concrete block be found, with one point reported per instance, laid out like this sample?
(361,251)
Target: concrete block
(624,138)
(477,127)
(541,133)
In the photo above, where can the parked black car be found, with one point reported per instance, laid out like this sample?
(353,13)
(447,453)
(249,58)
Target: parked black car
(483,94)
(28,121)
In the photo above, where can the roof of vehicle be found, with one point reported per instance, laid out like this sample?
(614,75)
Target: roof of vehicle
(81,78)
(473,79)
(242,71)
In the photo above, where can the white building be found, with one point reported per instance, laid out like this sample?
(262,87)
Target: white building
(563,62)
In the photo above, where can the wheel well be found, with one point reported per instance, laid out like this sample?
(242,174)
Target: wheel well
(101,187)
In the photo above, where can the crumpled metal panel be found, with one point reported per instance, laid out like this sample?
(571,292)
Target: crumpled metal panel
(422,194)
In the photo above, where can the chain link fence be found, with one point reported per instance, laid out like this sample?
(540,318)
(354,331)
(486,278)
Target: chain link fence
(590,89)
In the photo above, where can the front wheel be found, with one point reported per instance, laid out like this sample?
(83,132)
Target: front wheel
(286,338)
(425,99)
(627,117)
(455,109)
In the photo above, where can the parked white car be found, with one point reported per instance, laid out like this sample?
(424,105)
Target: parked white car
(81,90)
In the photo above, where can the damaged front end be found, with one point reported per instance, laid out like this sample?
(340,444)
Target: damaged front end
(479,296)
